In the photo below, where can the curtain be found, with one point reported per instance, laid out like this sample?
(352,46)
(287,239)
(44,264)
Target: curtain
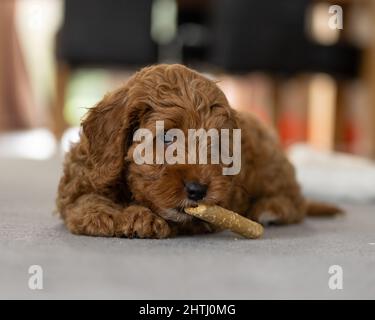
(17,106)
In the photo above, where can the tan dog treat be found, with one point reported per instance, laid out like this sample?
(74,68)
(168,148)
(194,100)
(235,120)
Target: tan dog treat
(227,219)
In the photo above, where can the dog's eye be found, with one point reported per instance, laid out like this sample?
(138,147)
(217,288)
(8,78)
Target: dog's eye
(168,139)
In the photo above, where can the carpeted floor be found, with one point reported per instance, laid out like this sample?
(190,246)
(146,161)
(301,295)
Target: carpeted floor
(289,262)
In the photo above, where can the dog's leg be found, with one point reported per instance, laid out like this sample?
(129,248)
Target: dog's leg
(277,210)
(96,215)
(141,222)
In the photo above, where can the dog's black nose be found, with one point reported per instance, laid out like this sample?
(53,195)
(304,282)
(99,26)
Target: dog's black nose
(195,190)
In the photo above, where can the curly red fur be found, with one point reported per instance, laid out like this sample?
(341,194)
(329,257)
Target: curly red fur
(104,193)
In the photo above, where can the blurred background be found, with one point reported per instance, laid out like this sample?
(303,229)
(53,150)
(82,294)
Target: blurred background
(306,68)
(311,80)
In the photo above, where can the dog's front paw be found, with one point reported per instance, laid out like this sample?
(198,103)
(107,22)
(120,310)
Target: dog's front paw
(141,222)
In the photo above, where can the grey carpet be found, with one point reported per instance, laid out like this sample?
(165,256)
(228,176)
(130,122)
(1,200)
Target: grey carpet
(289,262)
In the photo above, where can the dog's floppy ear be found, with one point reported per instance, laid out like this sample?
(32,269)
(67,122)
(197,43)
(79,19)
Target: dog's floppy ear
(107,131)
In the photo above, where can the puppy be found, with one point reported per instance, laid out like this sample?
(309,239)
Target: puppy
(104,192)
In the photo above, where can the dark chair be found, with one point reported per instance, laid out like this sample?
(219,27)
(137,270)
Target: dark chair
(113,33)
(268,35)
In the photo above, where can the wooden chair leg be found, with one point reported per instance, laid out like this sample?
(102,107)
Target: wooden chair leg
(321,112)
(62,78)
(340,117)
(368,74)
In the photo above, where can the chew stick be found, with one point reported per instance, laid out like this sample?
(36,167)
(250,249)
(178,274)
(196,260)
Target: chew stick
(227,219)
